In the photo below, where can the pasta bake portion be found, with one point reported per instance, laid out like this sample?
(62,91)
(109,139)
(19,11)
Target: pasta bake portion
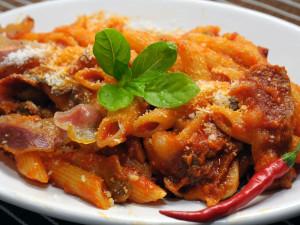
(245,116)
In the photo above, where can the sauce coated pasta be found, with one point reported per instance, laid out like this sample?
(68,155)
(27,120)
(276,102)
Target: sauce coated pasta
(245,116)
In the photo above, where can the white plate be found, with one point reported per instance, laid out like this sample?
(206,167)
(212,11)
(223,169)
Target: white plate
(283,40)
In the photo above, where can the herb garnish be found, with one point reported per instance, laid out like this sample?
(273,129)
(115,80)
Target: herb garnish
(147,78)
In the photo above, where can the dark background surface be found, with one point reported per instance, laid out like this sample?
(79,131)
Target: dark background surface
(286,9)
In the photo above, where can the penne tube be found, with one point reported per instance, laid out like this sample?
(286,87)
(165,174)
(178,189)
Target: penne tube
(56,37)
(155,120)
(109,168)
(232,180)
(115,128)
(92,78)
(296,97)
(231,122)
(66,56)
(242,52)
(175,187)
(193,61)
(163,149)
(79,182)
(143,190)
(30,165)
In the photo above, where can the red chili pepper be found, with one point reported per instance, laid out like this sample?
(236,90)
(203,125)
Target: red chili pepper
(256,185)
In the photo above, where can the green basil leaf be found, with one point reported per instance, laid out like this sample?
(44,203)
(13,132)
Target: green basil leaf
(170,91)
(159,56)
(114,97)
(126,77)
(138,84)
(112,52)
(136,89)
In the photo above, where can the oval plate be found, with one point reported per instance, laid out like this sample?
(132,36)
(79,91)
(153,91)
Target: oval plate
(280,37)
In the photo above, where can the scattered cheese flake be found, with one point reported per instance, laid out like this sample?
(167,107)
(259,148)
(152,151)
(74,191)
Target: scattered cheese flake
(220,98)
(206,85)
(22,55)
(212,137)
(55,79)
(187,147)
(133,177)
(202,110)
(83,178)
(107,193)
(243,108)
(209,128)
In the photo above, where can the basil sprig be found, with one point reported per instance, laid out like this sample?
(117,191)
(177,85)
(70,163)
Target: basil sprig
(112,52)
(147,78)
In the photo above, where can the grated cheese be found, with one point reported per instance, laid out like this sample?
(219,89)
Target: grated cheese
(83,178)
(55,79)
(212,137)
(133,177)
(22,55)
(220,98)
(206,85)
(107,193)
(209,128)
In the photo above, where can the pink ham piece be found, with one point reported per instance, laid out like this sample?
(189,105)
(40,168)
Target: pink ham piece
(19,134)
(80,122)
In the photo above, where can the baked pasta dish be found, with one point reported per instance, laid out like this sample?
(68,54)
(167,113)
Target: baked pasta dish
(114,114)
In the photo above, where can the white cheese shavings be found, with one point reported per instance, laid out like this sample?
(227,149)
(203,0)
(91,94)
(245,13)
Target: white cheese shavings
(209,128)
(55,79)
(220,98)
(212,137)
(22,55)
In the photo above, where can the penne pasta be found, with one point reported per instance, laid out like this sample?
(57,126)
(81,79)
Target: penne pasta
(139,40)
(30,165)
(242,52)
(196,133)
(296,96)
(92,78)
(231,122)
(193,60)
(67,56)
(115,128)
(152,121)
(162,149)
(232,180)
(109,168)
(17,30)
(79,182)
(143,189)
